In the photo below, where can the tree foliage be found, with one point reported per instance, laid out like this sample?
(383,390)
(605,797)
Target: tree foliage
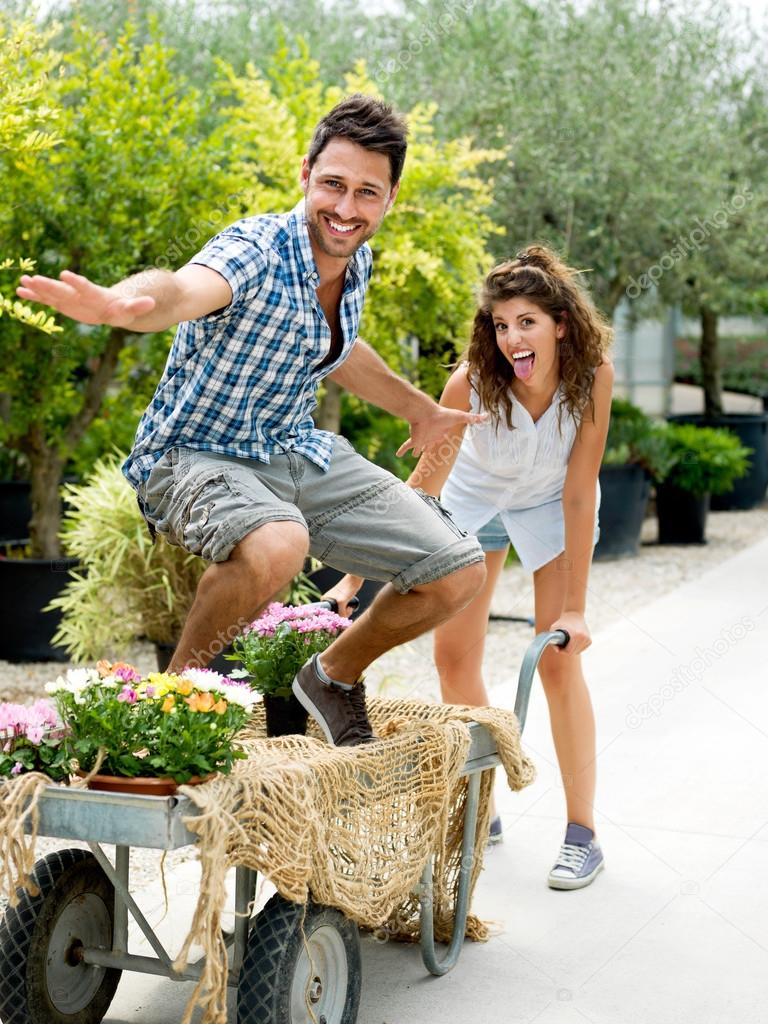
(131,181)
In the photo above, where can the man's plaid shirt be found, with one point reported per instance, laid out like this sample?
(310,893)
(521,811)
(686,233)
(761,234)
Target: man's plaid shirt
(242,381)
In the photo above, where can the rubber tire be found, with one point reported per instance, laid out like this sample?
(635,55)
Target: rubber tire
(25,932)
(275,943)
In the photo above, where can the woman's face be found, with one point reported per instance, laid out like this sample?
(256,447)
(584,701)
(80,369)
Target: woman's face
(528,337)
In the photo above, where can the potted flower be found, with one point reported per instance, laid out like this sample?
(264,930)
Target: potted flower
(32,739)
(704,461)
(272,650)
(146,735)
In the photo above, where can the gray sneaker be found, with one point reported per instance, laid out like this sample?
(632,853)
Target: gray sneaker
(579,861)
(339,709)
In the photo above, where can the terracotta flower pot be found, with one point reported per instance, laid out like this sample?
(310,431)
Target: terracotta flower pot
(140,785)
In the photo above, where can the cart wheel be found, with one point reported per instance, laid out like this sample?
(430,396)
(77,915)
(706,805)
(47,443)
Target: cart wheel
(302,966)
(42,981)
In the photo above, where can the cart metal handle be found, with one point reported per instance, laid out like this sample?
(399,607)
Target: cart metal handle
(556,638)
(531,659)
(333,605)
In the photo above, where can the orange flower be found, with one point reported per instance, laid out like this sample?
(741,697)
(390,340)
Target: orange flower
(184,687)
(220,706)
(168,703)
(104,668)
(200,702)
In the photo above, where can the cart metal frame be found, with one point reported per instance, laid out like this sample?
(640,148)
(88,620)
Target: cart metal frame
(151,822)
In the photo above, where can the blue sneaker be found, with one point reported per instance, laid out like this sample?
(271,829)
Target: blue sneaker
(580,859)
(495,832)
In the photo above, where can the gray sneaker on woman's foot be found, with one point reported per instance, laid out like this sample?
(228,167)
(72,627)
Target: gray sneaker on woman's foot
(580,859)
(338,708)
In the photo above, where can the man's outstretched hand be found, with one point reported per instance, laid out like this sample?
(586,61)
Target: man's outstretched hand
(77,297)
(442,424)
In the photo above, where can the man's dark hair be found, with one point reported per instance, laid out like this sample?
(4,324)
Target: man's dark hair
(370,123)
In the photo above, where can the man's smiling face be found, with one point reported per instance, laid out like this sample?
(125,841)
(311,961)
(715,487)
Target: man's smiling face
(348,193)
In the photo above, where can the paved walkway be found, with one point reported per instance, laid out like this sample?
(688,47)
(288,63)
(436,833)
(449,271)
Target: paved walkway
(675,931)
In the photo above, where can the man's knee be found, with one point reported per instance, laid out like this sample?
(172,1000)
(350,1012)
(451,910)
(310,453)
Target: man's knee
(274,553)
(454,592)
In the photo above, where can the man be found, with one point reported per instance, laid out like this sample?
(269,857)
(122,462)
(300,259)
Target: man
(227,462)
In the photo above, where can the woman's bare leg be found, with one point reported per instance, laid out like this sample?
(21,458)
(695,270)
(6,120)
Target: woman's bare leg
(570,707)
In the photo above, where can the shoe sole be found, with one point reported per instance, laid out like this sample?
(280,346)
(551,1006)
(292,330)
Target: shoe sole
(307,703)
(576,883)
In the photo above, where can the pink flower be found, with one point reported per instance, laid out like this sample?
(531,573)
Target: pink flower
(128,694)
(35,734)
(17,768)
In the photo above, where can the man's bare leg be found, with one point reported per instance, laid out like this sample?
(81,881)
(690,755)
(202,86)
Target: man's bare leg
(394,618)
(230,594)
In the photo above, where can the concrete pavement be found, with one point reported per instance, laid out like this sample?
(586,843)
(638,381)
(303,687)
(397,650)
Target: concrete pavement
(675,930)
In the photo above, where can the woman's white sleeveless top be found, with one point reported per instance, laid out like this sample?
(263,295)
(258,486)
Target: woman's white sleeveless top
(517,474)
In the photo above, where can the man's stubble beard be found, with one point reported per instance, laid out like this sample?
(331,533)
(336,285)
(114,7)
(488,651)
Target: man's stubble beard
(315,230)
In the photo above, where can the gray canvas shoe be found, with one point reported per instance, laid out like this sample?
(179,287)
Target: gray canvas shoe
(338,708)
(579,861)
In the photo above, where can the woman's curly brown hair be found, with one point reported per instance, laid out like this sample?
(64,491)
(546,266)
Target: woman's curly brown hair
(540,275)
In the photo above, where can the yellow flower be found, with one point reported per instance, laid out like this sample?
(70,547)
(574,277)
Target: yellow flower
(168,703)
(185,687)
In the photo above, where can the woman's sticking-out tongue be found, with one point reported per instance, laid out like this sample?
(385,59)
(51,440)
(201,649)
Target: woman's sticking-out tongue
(523,367)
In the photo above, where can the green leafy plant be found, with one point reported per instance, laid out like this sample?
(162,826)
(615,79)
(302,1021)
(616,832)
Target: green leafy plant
(280,641)
(165,726)
(126,587)
(704,460)
(634,438)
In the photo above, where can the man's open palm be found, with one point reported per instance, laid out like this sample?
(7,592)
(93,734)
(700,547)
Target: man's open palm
(441,425)
(77,297)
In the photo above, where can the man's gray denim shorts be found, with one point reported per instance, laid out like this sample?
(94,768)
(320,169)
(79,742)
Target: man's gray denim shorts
(360,518)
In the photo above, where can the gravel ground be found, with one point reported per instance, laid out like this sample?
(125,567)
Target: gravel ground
(617,589)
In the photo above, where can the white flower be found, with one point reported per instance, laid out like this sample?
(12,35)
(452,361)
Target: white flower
(243,696)
(204,678)
(79,678)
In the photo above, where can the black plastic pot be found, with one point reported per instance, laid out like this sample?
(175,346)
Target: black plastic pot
(15,508)
(752,431)
(624,499)
(285,716)
(27,585)
(682,516)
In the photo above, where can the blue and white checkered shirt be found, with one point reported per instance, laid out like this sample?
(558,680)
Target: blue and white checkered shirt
(242,381)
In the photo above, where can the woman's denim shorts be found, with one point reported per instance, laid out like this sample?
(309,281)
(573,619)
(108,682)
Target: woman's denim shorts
(493,536)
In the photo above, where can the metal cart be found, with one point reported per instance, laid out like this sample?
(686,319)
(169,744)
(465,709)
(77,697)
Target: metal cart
(62,952)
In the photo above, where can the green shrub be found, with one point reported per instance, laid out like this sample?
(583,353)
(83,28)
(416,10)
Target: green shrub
(635,438)
(704,460)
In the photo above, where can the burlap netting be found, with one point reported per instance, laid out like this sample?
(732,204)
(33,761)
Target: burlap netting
(350,827)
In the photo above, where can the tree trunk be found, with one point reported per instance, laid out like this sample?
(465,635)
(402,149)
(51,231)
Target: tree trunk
(711,375)
(46,470)
(328,414)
